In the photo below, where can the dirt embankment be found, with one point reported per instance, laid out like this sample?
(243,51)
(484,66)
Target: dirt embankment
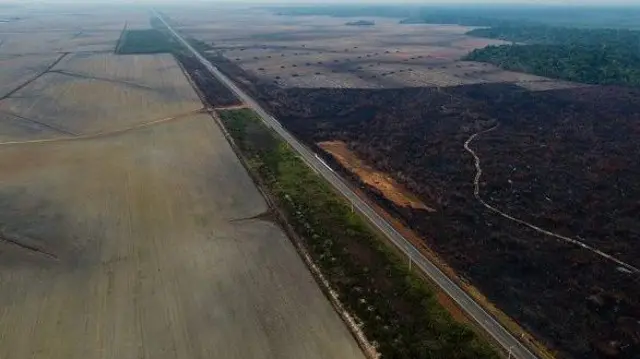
(383,182)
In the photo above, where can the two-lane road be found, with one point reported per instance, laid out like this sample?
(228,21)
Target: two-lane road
(473,309)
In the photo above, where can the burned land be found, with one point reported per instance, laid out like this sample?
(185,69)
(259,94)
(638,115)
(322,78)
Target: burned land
(214,92)
(548,233)
(561,160)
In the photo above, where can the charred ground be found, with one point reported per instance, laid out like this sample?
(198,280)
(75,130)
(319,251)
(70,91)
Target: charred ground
(214,92)
(562,160)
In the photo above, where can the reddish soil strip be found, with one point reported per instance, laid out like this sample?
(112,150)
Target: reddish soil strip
(382,181)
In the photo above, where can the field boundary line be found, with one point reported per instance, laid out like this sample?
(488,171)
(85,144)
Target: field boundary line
(26,119)
(27,247)
(110,133)
(476,194)
(25,84)
(113,81)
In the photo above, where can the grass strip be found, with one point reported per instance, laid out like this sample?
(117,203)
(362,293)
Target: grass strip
(398,310)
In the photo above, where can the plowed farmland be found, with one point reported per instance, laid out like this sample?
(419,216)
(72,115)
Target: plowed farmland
(140,245)
(128,226)
(17,70)
(102,92)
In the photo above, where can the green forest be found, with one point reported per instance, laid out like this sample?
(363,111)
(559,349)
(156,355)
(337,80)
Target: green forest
(544,34)
(591,64)
(593,56)
(144,41)
(620,17)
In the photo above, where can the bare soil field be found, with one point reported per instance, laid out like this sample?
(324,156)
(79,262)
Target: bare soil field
(320,52)
(67,28)
(141,245)
(14,128)
(90,93)
(128,225)
(17,70)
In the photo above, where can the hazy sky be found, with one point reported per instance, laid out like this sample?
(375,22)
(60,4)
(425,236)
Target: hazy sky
(390,2)
(320,2)
(396,2)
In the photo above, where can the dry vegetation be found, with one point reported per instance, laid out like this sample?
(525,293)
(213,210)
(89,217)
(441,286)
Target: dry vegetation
(127,224)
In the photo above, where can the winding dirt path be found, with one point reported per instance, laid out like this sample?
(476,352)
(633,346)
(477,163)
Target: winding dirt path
(476,194)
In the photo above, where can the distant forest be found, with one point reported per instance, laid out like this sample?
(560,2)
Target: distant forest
(593,56)
(594,45)
(484,15)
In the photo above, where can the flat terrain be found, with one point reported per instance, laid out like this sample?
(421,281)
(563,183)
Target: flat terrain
(139,246)
(320,51)
(554,233)
(127,223)
(90,93)
(68,28)
(545,230)
(17,70)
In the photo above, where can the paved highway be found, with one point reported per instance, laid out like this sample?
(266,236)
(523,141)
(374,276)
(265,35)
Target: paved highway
(473,309)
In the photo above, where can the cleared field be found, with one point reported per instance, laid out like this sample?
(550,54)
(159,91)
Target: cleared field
(90,93)
(14,128)
(57,41)
(17,70)
(127,226)
(321,51)
(37,28)
(133,246)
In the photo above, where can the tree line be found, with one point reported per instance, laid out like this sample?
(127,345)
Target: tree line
(593,56)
